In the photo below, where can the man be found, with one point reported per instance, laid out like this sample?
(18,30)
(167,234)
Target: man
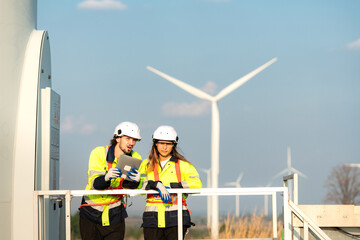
(103,216)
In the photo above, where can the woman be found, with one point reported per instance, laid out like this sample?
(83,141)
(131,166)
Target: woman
(165,168)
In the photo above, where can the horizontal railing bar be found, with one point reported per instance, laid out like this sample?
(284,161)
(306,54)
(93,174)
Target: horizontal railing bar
(197,192)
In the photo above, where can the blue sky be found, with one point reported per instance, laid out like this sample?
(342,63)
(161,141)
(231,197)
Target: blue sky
(307,100)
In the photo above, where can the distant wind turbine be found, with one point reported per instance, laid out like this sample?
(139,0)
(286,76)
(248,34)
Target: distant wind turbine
(208,185)
(215,126)
(289,170)
(237,199)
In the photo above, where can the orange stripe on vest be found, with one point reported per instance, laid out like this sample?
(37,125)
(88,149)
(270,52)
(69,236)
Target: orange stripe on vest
(173,198)
(109,188)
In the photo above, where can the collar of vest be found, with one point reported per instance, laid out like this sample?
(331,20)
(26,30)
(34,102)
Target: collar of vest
(173,159)
(110,156)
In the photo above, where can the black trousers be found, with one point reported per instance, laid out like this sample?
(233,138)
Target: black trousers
(92,231)
(170,233)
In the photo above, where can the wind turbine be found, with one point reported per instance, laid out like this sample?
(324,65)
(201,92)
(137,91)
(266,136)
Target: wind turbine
(208,185)
(215,126)
(289,168)
(266,200)
(237,201)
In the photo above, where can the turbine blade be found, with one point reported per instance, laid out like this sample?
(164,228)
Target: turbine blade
(242,80)
(239,178)
(203,169)
(207,171)
(280,173)
(190,89)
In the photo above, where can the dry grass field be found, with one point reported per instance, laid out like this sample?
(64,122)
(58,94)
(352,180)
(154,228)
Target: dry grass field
(247,226)
(251,226)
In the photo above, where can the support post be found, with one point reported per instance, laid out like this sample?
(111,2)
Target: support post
(306,230)
(295,193)
(287,213)
(68,215)
(36,215)
(274,215)
(180,218)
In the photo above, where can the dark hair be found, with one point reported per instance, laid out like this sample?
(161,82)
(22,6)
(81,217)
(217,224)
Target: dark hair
(113,141)
(154,156)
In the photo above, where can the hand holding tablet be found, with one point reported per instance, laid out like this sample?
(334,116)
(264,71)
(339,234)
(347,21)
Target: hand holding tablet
(126,163)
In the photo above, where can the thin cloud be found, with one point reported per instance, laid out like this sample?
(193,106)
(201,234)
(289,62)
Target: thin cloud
(354,45)
(210,87)
(102,5)
(192,109)
(87,128)
(73,124)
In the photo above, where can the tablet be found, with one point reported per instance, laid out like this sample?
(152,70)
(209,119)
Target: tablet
(125,163)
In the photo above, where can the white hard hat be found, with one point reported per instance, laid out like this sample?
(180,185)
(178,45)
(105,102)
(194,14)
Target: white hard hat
(166,133)
(129,129)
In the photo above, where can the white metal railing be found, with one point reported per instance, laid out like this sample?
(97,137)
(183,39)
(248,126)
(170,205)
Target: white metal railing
(308,223)
(68,194)
(296,211)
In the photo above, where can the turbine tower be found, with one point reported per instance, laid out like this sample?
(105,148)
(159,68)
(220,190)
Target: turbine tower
(237,201)
(208,198)
(215,128)
(266,200)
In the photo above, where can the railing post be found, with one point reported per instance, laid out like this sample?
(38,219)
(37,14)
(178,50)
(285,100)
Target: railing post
(306,230)
(180,218)
(68,215)
(36,215)
(287,226)
(295,190)
(274,215)
(41,219)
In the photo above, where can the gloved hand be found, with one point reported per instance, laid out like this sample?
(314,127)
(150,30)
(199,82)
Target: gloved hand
(133,175)
(112,173)
(164,194)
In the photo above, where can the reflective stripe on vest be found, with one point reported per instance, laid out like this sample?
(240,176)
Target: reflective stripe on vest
(109,188)
(157,199)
